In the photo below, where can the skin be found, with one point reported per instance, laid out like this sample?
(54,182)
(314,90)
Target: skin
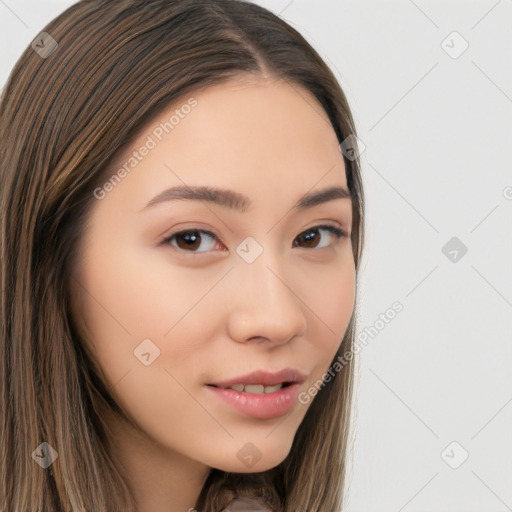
(289,308)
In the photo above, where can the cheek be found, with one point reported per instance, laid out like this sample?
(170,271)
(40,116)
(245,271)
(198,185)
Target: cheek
(136,314)
(330,300)
(130,299)
(329,293)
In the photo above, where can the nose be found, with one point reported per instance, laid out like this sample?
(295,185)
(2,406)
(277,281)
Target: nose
(264,306)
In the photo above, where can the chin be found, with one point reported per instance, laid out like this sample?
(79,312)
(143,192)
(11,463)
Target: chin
(250,459)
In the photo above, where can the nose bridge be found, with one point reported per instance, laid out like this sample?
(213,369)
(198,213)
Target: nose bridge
(264,303)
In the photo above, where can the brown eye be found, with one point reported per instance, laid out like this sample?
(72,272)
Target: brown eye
(190,240)
(311,237)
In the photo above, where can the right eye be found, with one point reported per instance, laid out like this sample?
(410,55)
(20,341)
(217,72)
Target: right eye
(191,239)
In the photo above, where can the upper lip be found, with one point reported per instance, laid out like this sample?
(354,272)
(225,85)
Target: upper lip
(288,375)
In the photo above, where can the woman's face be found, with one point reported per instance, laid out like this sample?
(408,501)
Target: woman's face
(248,285)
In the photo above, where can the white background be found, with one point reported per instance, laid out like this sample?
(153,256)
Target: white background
(436,132)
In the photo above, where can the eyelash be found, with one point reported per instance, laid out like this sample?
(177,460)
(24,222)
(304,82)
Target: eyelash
(339,233)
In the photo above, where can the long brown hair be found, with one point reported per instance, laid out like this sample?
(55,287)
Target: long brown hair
(64,116)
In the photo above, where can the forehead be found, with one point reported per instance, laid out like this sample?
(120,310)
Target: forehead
(251,133)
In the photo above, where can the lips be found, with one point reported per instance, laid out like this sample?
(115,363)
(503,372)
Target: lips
(256,405)
(264,378)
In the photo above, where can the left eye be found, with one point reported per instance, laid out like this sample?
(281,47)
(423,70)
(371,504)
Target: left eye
(189,240)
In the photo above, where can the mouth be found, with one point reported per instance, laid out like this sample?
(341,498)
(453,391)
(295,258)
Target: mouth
(254,389)
(258,401)
(262,382)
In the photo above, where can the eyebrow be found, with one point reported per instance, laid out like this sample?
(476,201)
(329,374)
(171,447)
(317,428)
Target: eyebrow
(239,202)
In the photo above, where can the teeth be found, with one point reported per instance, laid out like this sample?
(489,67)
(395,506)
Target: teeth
(272,389)
(257,389)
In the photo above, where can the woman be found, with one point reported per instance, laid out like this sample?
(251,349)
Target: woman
(181,229)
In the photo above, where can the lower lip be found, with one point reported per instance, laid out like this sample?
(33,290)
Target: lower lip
(264,406)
